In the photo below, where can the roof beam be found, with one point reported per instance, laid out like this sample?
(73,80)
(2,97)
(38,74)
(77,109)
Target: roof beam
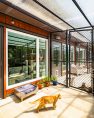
(77,5)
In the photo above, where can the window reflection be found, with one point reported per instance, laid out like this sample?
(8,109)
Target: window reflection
(42,58)
(80,55)
(21,58)
(56,58)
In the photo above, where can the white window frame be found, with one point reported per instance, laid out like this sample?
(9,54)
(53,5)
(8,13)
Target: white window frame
(37,58)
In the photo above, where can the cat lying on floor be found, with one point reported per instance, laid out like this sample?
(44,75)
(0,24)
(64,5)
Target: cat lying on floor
(47,100)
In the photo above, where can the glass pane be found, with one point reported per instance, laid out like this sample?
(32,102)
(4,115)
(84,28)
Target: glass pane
(77,55)
(31,58)
(72,53)
(67,10)
(63,52)
(82,55)
(21,58)
(62,77)
(56,70)
(56,52)
(56,58)
(42,58)
(63,68)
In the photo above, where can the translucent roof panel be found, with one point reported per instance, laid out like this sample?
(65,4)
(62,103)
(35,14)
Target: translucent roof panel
(36,10)
(88,7)
(67,10)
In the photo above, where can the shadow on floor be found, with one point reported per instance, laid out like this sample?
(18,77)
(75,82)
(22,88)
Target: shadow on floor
(41,110)
(15,99)
(91,113)
(34,110)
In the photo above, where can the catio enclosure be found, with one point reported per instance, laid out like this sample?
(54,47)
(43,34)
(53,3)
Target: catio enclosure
(44,38)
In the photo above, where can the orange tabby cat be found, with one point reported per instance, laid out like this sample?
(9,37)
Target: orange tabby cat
(47,100)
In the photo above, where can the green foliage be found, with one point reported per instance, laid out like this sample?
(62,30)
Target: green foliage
(53,78)
(46,79)
(49,79)
(40,82)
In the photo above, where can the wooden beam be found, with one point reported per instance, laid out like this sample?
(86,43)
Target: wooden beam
(8,20)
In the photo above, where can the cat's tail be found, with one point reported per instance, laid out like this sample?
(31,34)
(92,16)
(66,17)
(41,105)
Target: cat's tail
(35,101)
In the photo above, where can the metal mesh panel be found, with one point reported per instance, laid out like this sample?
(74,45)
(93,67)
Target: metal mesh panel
(80,68)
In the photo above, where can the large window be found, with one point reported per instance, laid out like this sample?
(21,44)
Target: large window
(27,57)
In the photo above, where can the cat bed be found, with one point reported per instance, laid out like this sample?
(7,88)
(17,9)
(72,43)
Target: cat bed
(25,91)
